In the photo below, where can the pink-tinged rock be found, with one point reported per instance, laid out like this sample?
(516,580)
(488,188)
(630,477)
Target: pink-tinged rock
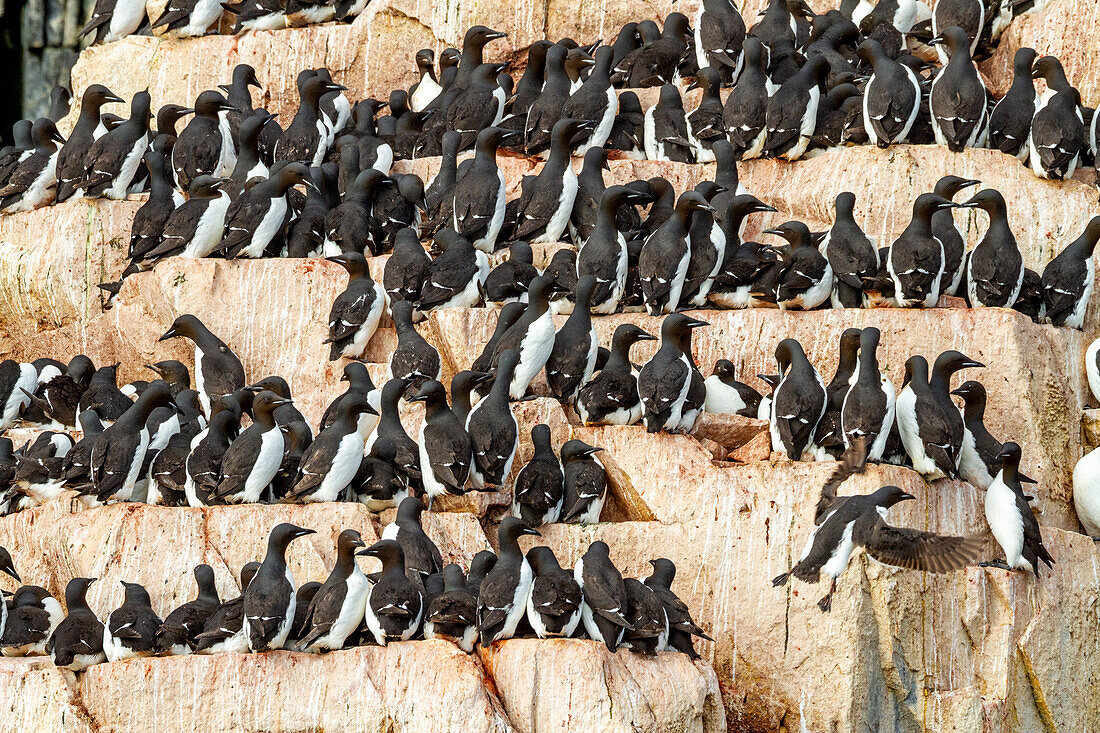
(39,697)
(574,684)
(51,260)
(409,686)
(728,430)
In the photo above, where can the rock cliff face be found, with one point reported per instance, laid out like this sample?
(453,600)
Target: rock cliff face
(980,649)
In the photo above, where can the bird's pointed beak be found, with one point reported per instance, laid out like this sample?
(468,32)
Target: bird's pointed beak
(907,496)
(283,401)
(496,34)
(170,333)
(114,98)
(935,41)
(696,323)
(532,531)
(302,532)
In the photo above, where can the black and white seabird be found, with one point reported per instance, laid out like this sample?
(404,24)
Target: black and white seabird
(595,102)
(70,159)
(380,484)
(452,615)
(847,522)
(852,255)
(929,423)
(1068,279)
(665,131)
(958,98)
(149,221)
(645,612)
(406,450)
(542,211)
(18,381)
(195,228)
(979,459)
(540,484)
(611,397)
(455,278)
(867,409)
(181,628)
(422,556)
(463,385)
(503,594)
(605,601)
(681,627)
(113,20)
(604,254)
(555,602)
(305,140)
(218,371)
(224,630)
(798,401)
(119,451)
(352,226)
(670,384)
(359,382)
(805,280)
(585,483)
(112,162)
(950,235)
(330,462)
(478,106)
(31,621)
(891,99)
(745,111)
(131,629)
(493,430)
(427,88)
(337,608)
(720,38)
(995,267)
(77,642)
(705,123)
(548,107)
(104,395)
(252,460)
(655,63)
(916,258)
(205,145)
(508,282)
(413,359)
(355,313)
(727,395)
(33,182)
(531,336)
(395,605)
(666,254)
(479,203)
(202,466)
(269,601)
(257,216)
(407,268)
(572,360)
(1011,518)
(446,451)
(1058,133)
(792,111)
(966,14)
(1010,120)
(40,474)
(251,163)
(188,18)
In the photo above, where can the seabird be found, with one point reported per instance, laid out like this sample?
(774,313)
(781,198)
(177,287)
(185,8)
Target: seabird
(269,602)
(542,211)
(456,277)
(188,18)
(798,401)
(681,627)
(502,596)
(380,484)
(356,311)
(947,230)
(331,461)
(1068,279)
(479,203)
(18,382)
(395,606)
(205,145)
(131,629)
(195,228)
(555,601)
(891,99)
(585,483)
(1086,499)
(1058,130)
(406,269)
(224,630)
(656,62)
(446,451)
(1010,120)
(452,615)
(422,556)
(745,112)
(493,430)
(791,117)
(604,254)
(112,162)
(916,258)
(979,459)
(719,38)
(180,631)
(669,384)
(1011,518)
(119,451)
(611,396)
(806,278)
(867,408)
(666,254)
(413,359)
(406,450)
(338,606)
(929,423)
(540,484)
(252,460)
(605,601)
(150,220)
(218,371)
(846,522)
(995,267)
(255,218)
(352,225)
(851,254)
(595,102)
(532,336)
(958,98)
(726,395)
(33,182)
(207,449)
(31,621)
(77,642)
(113,20)
(572,360)
(70,159)
(666,129)
(427,87)
(508,282)
(478,106)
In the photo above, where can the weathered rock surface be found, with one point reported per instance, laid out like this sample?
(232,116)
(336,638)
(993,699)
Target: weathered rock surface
(568,684)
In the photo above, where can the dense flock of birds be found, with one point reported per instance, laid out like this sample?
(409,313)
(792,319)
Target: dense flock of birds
(228,185)
(412,596)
